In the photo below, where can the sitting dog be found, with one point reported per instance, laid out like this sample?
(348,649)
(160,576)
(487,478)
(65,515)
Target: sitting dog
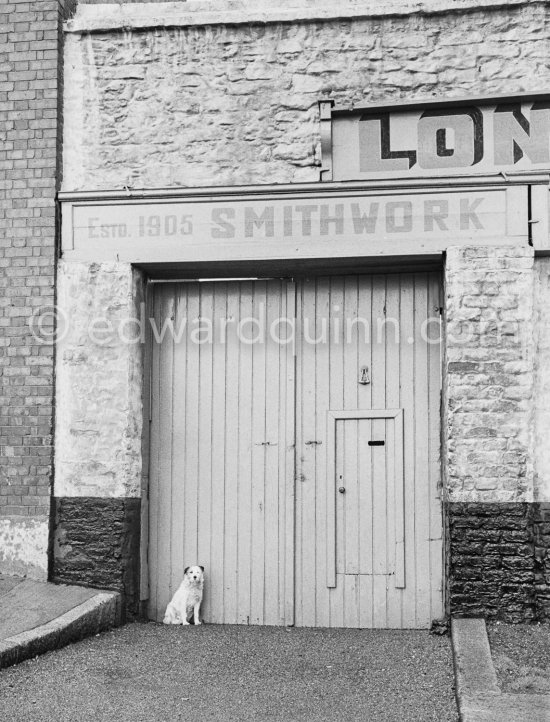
(187,600)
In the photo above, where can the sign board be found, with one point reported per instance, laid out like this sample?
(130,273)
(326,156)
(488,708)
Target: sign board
(336,221)
(437,138)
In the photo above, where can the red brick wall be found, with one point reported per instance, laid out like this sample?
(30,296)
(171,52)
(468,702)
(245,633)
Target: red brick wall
(30,39)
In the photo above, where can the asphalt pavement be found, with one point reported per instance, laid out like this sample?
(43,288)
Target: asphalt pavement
(150,672)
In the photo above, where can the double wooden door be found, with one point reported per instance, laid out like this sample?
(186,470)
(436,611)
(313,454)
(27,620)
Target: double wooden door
(295,449)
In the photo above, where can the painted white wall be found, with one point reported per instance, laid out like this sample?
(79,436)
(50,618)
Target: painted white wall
(99,381)
(542,380)
(24,547)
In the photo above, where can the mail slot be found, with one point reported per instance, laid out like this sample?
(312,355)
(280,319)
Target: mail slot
(376,443)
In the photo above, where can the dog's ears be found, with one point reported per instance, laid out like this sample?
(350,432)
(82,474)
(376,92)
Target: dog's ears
(202,569)
(186,570)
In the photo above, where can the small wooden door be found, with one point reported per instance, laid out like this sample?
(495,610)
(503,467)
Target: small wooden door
(365,502)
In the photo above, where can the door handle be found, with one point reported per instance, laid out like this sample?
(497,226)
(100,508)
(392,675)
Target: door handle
(341,489)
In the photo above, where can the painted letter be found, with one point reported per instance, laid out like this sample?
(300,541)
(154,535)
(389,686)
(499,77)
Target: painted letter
(375,154)
(391,222)
(435,211)
(468,213)
(252,219)
(337,219)
(515,136)
(364,222)
(436,147)
(307,212)
(226,229)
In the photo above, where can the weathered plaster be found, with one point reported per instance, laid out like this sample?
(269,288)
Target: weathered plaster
(121,16)
(542,380)
(99,381)
(24,547)
(489,374)
(236,105)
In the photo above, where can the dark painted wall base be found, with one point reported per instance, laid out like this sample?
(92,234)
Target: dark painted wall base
(499,560)
(498,554)
(96,544)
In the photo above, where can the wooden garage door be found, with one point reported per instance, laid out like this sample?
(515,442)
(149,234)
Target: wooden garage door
(253,442)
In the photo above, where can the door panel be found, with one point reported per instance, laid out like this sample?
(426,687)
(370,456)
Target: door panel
(392,576)
(367,483)
(222,449)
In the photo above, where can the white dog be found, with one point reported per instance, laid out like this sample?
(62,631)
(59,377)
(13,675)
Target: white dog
(187,599)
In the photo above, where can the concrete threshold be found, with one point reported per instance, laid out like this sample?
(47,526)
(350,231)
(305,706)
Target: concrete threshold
(479,697)
(37,617)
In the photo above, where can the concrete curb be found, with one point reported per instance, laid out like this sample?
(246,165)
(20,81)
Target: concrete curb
(101,612)
(474,670)
(478,695)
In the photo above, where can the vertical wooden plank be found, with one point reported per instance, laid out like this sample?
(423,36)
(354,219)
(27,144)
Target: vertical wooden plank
(351,600)
(190,364)
(351,483)
(299,470)
(393,339)
(422,480)
(308,457)
(145,451)
(154,480)
(259,441)
(351,454)
(232,391)
(206,413)
(218,454)
(366,586)
(351,524)
(322,494)
(287,461)
(336,479)
(364,469)
(380,510)
(336,401)
(434,451)
(399,499)
(164,589)
(273,439)
(244,424)
(351,480)
(407,404)
(178,390)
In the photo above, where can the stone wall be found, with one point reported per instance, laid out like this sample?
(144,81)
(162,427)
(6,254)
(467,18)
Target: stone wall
(499,565)
(492,561)
(97,543)
(237,104)
(496,425)
(541,534)
(99,381)
(489,374)
(99,427)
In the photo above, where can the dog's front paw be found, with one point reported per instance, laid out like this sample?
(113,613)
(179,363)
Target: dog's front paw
(197,623)
(185,623)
